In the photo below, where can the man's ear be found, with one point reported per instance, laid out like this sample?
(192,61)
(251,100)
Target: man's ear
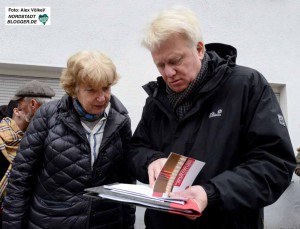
(34,104)
(200,49)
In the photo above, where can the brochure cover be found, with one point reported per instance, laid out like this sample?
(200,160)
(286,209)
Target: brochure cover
(178,173)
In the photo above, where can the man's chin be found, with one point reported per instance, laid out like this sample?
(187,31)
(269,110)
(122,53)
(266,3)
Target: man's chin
(178,89)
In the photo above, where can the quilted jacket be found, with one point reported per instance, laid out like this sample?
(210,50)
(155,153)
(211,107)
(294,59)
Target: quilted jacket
(53,167)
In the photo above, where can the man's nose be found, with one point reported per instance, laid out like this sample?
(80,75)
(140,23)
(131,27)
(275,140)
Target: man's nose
(169,71)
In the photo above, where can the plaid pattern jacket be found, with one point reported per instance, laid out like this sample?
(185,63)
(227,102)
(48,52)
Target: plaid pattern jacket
(10,137)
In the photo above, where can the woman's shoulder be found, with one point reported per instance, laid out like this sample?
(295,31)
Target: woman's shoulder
(54,106)
(118,105)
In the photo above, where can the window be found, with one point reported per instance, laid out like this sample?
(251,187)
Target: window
(12,76)
(280,92)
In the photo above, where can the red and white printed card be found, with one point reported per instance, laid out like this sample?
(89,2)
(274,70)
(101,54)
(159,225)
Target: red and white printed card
(178,173)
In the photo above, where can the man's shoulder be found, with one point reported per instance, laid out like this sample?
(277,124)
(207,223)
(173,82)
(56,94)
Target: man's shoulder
(244,73)
(244,70)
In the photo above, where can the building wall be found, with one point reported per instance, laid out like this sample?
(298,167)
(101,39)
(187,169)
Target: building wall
(265,33)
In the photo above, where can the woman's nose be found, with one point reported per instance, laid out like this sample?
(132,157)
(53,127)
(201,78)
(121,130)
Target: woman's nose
(100,97)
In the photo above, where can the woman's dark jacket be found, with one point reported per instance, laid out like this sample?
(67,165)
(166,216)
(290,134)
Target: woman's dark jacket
(53,167)
(236,126)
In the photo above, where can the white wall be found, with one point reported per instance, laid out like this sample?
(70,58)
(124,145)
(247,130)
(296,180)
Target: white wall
(265,32)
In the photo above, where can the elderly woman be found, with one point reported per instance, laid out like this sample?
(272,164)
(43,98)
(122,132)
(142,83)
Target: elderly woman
(71,144)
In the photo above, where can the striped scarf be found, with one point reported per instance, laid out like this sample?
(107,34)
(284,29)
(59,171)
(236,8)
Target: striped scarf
(83,114)
(10,137)
(182,102)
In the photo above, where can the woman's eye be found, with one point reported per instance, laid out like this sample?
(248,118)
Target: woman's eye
(89,89)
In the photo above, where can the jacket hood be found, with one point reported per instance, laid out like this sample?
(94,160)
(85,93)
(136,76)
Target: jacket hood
(221,57)
(225,53)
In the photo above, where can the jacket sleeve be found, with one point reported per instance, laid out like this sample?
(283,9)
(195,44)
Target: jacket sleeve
(22,177)
(142,153)
(125,177)
(267,160)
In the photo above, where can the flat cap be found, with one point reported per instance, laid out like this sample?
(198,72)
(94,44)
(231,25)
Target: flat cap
(33,88)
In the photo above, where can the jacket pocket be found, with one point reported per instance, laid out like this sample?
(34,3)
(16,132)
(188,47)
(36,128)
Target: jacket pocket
(58,208)
(58,214)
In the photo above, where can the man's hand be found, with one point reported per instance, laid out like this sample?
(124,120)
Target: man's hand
(154,170)
(195,193)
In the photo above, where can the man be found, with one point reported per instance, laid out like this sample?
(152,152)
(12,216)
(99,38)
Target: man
(31,96)
(206,107)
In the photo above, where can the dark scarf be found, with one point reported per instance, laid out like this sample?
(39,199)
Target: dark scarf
(182,102)
(83,114)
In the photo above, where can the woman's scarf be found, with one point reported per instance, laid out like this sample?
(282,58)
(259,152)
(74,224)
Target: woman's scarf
(83,114)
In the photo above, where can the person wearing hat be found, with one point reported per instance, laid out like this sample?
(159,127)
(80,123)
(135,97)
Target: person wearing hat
(31,96)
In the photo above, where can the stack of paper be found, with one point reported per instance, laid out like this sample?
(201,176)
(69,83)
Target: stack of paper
(141,196)
(143,191)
